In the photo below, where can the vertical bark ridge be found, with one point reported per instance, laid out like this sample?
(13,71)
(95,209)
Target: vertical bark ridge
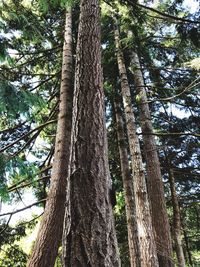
(154,178)
(89,237)
(50,232)
(145,232)
(128,187)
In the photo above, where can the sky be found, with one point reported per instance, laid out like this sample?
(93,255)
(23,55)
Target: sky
(191,5)
(28,199)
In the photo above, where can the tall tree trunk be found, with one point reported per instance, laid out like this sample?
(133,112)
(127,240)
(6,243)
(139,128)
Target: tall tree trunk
(188,248)
(145,232)
(154,178)
(50,232)
(177,221)
(128,187)
(89,238)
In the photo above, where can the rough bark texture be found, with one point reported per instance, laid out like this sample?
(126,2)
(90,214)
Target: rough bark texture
(128,188)
(145,232)
(177,221)
(154,178)
(89,239)
(50,232)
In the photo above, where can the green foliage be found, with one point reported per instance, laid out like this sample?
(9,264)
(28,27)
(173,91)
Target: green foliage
(12,172)
(11,253)
(9,100)
(13,256)
(188,32)
(33,100)
(3,181)
(11,234)
(14,102)
(46,5)
(3,48)
(121,228)
(58,259)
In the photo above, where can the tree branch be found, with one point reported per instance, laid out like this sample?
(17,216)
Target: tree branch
(192,85)
(44,81)
(170,134)
(27,134)
(33,138)
(7,223)
(25,208)
(27,184)
(11,129)
(162,13)
(36,52)
(24,180)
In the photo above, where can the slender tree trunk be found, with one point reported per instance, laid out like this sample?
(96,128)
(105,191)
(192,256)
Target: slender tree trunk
(154,178)
(197,216)
(145,232)
(50,232)
(128,188)
(188,248)
(89,238)
(177,221)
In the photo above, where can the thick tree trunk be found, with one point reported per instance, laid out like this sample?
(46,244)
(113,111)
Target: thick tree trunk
(145,232)
(50,232)
(177,221)
(128,188)
(154,178)
(89,238)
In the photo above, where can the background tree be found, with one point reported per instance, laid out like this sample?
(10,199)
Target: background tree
(51,227)
(147,244)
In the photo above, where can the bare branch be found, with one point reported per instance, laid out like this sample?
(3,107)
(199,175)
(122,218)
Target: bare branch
(36,52)
(27,184)
(12,128)
(6,226)
(44,81)
(27,134)
(170,134)
(192,85)
(33,138)
(25,208)
(133,3)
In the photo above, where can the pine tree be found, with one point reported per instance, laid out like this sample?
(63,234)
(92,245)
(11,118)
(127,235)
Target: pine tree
(89,236)
(143,217)
(176,221)
(49,236)
(154,178)
(128,187)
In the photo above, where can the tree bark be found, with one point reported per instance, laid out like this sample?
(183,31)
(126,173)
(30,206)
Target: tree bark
(128,188)
(89,238)
(177,221)
(50,232)
(154,178)
(145,232)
